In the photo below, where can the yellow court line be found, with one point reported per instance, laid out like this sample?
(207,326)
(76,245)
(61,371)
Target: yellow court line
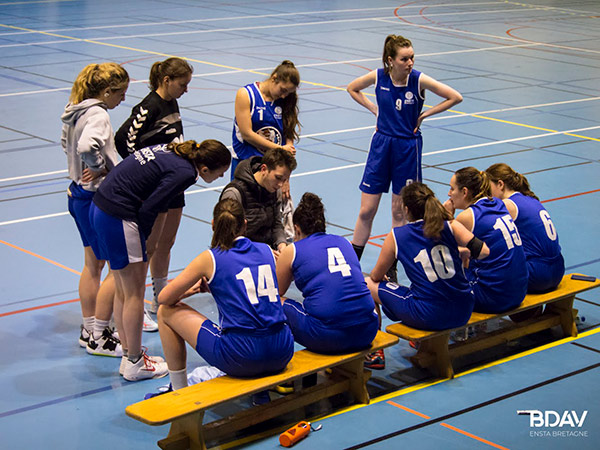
(312,83)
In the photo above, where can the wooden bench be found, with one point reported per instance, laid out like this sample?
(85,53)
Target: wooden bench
(185,408)
(436,353)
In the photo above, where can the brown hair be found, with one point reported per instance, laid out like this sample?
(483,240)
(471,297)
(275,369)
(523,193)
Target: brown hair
(309,215)
(228,223)
(94,78)
(275,157)
(390,49)
(286,72)
(170,67)
(513,180)
(210,153)
(476,182)
(423,204)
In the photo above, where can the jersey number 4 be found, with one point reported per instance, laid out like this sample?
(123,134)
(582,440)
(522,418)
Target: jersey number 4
(265,286)
(336,262)
(438,265)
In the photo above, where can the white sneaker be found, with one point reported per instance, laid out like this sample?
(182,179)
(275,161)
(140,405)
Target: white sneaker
(149,324)
(84,337)
(106,345)
(158,359)
(144,369)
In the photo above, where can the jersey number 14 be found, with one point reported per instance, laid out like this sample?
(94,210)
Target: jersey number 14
(265,286)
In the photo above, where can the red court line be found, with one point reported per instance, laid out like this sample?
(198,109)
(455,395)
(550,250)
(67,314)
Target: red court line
(570,196)
(43,258)
(458,430)
(466,433)
(412,411)
(39,307)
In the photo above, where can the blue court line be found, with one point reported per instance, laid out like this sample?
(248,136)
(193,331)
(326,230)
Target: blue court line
(64,181)
(583,264)
(21,80)
(60,400)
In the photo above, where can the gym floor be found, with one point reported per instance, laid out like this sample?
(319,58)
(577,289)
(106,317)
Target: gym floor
(529,74)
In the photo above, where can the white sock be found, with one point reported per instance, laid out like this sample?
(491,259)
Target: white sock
(99,327)
(88,323)
(158,285)
(178,378)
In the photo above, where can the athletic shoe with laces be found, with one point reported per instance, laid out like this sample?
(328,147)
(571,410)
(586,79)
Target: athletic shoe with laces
(106,345)
(158,359)
(149,324)
(375,360)
(84,337)
(144,369)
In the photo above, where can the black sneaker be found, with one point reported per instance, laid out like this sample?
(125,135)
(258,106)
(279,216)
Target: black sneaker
(107,345)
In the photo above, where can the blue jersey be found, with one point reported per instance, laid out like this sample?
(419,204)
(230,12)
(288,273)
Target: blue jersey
(245,288)
(327,272)
(143,184)
(266,121)
(503,274)
(536,229)
(398,107)
(433,267)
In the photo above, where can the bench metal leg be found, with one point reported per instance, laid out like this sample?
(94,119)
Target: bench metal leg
(185,433)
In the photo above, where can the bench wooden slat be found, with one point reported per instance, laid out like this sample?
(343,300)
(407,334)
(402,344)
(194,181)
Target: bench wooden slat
(436,352)
(199,397)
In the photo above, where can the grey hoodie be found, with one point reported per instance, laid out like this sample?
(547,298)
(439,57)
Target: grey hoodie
(88,140)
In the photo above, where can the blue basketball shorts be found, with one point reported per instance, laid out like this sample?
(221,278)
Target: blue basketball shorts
(399,304)
(120,240)
(319,337)
(392,160)
(80,201)
(245,354)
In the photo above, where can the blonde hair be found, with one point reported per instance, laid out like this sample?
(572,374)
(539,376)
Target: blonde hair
(94,78)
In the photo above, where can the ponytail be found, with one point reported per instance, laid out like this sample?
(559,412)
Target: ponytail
(94,78)
(422,203)
(513,180)
(228,223)
(477,183)
(210,153)
(309,215)
(390,49)
(286,72)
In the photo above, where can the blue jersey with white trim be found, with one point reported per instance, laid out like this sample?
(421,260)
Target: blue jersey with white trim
(327,272)
(244,286)
(433,267)
(504,271)
(266,120)
(398,107)
(539,236)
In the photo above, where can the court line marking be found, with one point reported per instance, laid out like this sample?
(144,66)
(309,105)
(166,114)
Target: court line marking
(417,387)
(348,166)
(453,428)
(43,258)
(257,27)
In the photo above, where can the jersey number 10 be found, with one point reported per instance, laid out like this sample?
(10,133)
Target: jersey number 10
(439,265)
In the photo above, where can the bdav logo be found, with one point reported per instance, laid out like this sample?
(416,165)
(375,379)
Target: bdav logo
(551,419)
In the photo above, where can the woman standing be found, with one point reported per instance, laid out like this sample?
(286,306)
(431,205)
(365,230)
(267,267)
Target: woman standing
(87,139)
(396,147)
(153,121)
(123,214)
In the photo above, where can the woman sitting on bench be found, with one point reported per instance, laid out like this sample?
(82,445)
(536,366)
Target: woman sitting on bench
(499,282)
(427,247)
(545,262)
(337,315)
(252,338)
